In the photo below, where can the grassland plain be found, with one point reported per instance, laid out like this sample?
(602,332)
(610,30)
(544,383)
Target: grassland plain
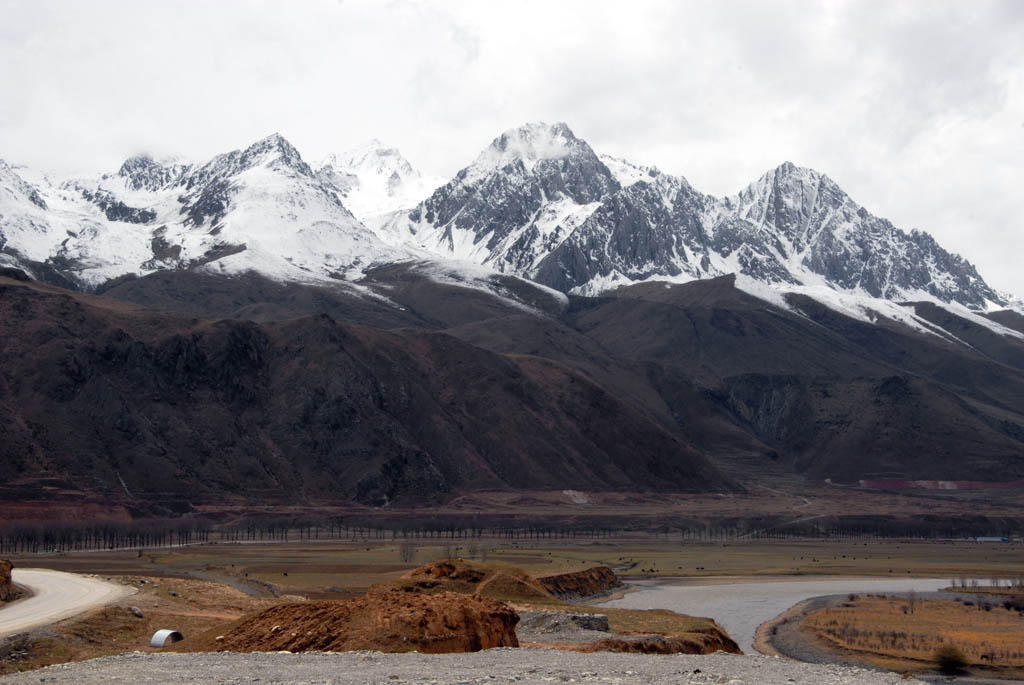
(904,632)
(340,568)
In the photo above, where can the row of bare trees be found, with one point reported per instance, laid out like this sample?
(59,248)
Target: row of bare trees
(31,537)
(46,536)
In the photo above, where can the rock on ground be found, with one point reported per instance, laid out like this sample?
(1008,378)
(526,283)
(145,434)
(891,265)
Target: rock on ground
(489,666)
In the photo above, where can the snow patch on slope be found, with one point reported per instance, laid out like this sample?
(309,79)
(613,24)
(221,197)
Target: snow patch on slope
(627,173)
(476,277)
(374,179)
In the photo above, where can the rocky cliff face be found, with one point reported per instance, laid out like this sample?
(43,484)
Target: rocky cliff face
(793,227)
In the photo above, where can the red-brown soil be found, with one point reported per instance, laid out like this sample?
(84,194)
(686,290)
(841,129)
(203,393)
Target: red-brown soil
(463,577)
(385,621)
(598,580)
(6,586)
(648,632)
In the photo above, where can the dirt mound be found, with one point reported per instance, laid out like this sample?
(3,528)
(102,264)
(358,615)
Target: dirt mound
(467,578)
(6,586)
(598,580)
(385,621)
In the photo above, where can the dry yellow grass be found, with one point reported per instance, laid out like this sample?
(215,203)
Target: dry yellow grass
(354,566)
(988,634)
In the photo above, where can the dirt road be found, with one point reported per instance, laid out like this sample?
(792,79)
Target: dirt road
(55,596)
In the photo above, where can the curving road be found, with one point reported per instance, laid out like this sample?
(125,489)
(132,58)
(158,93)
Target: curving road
(741,607)
(55,596)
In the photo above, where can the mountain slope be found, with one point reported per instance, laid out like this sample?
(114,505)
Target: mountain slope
(443,389)
(828,395)
(177,410)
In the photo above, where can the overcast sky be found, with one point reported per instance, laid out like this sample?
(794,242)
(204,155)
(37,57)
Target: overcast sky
(915,107)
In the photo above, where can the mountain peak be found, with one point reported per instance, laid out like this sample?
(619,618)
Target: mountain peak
(275,141)
(274,150)
(787,179)
(373,156)
(528,144)
(142,172)
(790,170)
(536,140)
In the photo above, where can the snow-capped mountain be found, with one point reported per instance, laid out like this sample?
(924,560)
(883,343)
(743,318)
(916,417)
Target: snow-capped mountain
(260,209)
(522,196)
(375,179)
(540,203)
(537,203)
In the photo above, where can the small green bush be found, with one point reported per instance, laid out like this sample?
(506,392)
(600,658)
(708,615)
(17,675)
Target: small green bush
(950,659)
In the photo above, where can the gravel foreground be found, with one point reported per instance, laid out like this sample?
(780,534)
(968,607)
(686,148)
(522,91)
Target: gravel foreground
(490,666)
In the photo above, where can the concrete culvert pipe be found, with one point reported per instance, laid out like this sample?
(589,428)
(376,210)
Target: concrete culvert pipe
(162,638)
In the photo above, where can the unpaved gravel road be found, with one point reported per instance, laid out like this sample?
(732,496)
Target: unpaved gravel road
(490,666)
(55,596)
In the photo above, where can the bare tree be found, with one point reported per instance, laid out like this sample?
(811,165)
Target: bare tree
(407,552)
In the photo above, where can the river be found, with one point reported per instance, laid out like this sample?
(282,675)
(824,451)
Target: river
(740,607)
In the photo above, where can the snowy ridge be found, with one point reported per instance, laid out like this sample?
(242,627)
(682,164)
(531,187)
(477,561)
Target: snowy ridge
(536,203)
(259,209)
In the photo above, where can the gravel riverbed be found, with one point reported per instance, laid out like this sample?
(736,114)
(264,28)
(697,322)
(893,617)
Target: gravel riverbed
(490,666)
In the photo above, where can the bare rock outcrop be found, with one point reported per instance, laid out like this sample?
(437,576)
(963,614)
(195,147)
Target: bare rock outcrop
(383,620)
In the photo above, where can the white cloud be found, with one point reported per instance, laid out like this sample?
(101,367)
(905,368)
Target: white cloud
(915,107)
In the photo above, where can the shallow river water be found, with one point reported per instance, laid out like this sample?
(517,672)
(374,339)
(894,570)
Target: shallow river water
(742,606)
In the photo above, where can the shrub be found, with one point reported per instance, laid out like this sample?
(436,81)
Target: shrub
(950,659)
